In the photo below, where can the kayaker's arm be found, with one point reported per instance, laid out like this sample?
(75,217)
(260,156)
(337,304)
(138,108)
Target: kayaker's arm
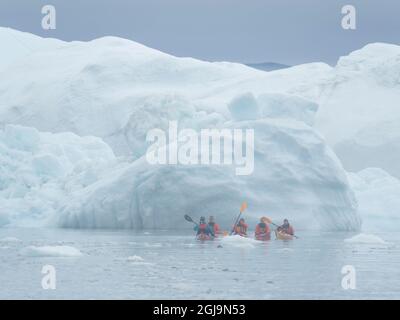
(210,231)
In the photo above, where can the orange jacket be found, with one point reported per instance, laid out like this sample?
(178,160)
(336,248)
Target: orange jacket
(203,229)
(260,231)
(216,229)
(241,229)
(288,230)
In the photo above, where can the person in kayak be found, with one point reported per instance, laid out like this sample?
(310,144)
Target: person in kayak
(263,231)
(286,228)
(203,229)
(241,228)
(214,226)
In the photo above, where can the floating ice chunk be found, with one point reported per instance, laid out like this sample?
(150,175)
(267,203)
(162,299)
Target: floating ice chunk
(239,242)
(139,261)
(364,238)
(153,245)
(10,239)
(286,250)
(135,259)
(51,251)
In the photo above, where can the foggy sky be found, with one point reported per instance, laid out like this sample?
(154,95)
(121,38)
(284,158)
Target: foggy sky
(284,31)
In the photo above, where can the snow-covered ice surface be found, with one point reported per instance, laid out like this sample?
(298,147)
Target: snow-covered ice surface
(117,90)
(365,238)
(378,197)
(38,170)
(112,88)
(51,251)
(77,182)
(10,239)
(359,108)
(295,175)
(239,242)
(124,264)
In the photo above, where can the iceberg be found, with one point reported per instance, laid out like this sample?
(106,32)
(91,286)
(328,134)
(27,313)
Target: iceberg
(101,87)
(359,111)
(36,169)
(75,115)
(378,196)
(273,105)
(51,251)
(112,87)
(295,175)
(364,238)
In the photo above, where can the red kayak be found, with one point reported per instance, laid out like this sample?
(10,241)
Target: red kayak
(263,237)
(204,237)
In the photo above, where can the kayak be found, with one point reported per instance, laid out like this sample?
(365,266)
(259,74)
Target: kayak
(263,237)
(283,236)
(204,237)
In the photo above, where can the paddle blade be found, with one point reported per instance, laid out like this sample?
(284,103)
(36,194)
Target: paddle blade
(188,218)
(243,207)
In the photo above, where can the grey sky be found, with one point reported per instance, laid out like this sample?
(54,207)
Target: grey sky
(285,31)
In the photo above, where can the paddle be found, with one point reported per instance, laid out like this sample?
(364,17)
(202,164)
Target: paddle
(242,208)
(189,219)
(271,222)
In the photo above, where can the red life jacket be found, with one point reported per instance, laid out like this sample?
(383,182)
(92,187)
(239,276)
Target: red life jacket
(263,233)
(202,229)
(288,230)
(264,230)
(215,228)
(241,229)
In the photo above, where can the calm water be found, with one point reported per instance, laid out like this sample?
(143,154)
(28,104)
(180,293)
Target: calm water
(178,267)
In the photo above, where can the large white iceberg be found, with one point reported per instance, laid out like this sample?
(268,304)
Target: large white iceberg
(359,110)
(35,168)
(272,105)
(16,46)
(70,181)
(378,195)
(99,87)
(118,90)
(295,175)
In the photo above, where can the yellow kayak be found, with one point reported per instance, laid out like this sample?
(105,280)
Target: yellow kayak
(283,236)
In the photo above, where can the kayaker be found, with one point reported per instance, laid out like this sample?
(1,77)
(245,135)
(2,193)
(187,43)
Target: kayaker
(203,229)
(241,228)
(213,225)
(286,228)
(263,231)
